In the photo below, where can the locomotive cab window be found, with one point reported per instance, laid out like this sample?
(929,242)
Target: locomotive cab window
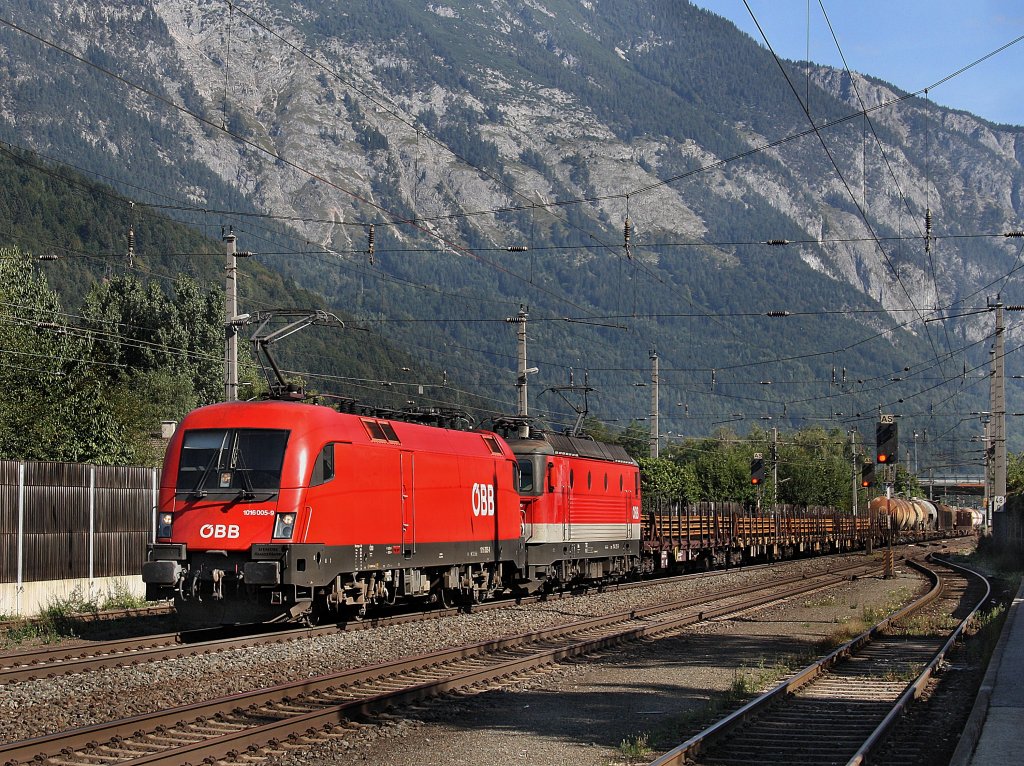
(530,469)
(323,468)
(242,460)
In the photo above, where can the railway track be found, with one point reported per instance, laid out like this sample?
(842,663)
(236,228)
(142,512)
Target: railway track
(267,717)
(839,709)
(48,662)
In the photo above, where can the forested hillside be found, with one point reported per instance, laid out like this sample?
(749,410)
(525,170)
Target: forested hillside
(101,344)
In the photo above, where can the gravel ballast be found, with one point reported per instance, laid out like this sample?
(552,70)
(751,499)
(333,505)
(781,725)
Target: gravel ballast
(578,712)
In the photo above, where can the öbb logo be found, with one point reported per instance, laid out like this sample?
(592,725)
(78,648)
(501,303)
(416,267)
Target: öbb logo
(226,531)
(483,499)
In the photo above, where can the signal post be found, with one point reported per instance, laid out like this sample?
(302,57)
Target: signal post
(757,475)
(886,454)
(867,481)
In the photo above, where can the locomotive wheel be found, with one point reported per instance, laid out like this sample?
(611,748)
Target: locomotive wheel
(447,598)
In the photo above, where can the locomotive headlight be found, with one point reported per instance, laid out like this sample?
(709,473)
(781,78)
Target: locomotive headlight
(284,525)
(163,524)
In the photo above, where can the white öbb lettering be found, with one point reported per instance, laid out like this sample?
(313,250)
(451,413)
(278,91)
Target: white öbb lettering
(228,531)
(483,499)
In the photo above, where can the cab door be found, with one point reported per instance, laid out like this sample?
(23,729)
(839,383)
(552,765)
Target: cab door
(408,471)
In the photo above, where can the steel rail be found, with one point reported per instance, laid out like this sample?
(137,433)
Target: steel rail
(917,687)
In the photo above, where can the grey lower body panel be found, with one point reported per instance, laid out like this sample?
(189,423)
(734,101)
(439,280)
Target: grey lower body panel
(545,554)
(281,582)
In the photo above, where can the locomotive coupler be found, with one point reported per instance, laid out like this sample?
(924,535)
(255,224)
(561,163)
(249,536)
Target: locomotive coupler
(218,588)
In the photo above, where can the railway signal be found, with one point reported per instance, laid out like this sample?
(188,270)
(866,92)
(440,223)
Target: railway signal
(867,475)
(757,469)
(886,440)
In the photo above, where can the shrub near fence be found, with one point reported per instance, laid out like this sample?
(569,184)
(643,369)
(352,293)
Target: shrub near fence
(68,522)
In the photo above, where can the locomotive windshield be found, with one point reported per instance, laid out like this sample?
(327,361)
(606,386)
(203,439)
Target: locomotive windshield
(236,460)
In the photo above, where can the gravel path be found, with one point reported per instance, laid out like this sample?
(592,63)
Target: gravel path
(577,713)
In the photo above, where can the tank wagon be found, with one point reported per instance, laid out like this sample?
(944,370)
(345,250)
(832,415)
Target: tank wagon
(917,514)
(953,517)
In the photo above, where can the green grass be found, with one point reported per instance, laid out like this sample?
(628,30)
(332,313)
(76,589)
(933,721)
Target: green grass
(119,596)
(635,749)
(54,622)
(62,616)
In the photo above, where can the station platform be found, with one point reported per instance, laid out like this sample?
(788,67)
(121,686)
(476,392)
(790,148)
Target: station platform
(994,734)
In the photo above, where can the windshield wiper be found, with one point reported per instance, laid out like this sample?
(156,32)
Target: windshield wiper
(237,465)
(247,492)
(198,490)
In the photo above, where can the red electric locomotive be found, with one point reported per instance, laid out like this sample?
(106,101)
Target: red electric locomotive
(279,510)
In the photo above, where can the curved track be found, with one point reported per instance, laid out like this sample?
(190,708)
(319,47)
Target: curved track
(837,710)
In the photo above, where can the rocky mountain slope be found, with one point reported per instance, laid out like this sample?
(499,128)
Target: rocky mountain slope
(459,130)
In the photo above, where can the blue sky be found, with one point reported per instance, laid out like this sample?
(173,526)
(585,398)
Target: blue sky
(910,43)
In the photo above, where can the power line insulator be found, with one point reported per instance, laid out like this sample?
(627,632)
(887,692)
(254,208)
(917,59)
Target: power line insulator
(928,230)
(627,231)
(776,313)
(777,242)
(1014,234)
(369,244)
(517,248)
